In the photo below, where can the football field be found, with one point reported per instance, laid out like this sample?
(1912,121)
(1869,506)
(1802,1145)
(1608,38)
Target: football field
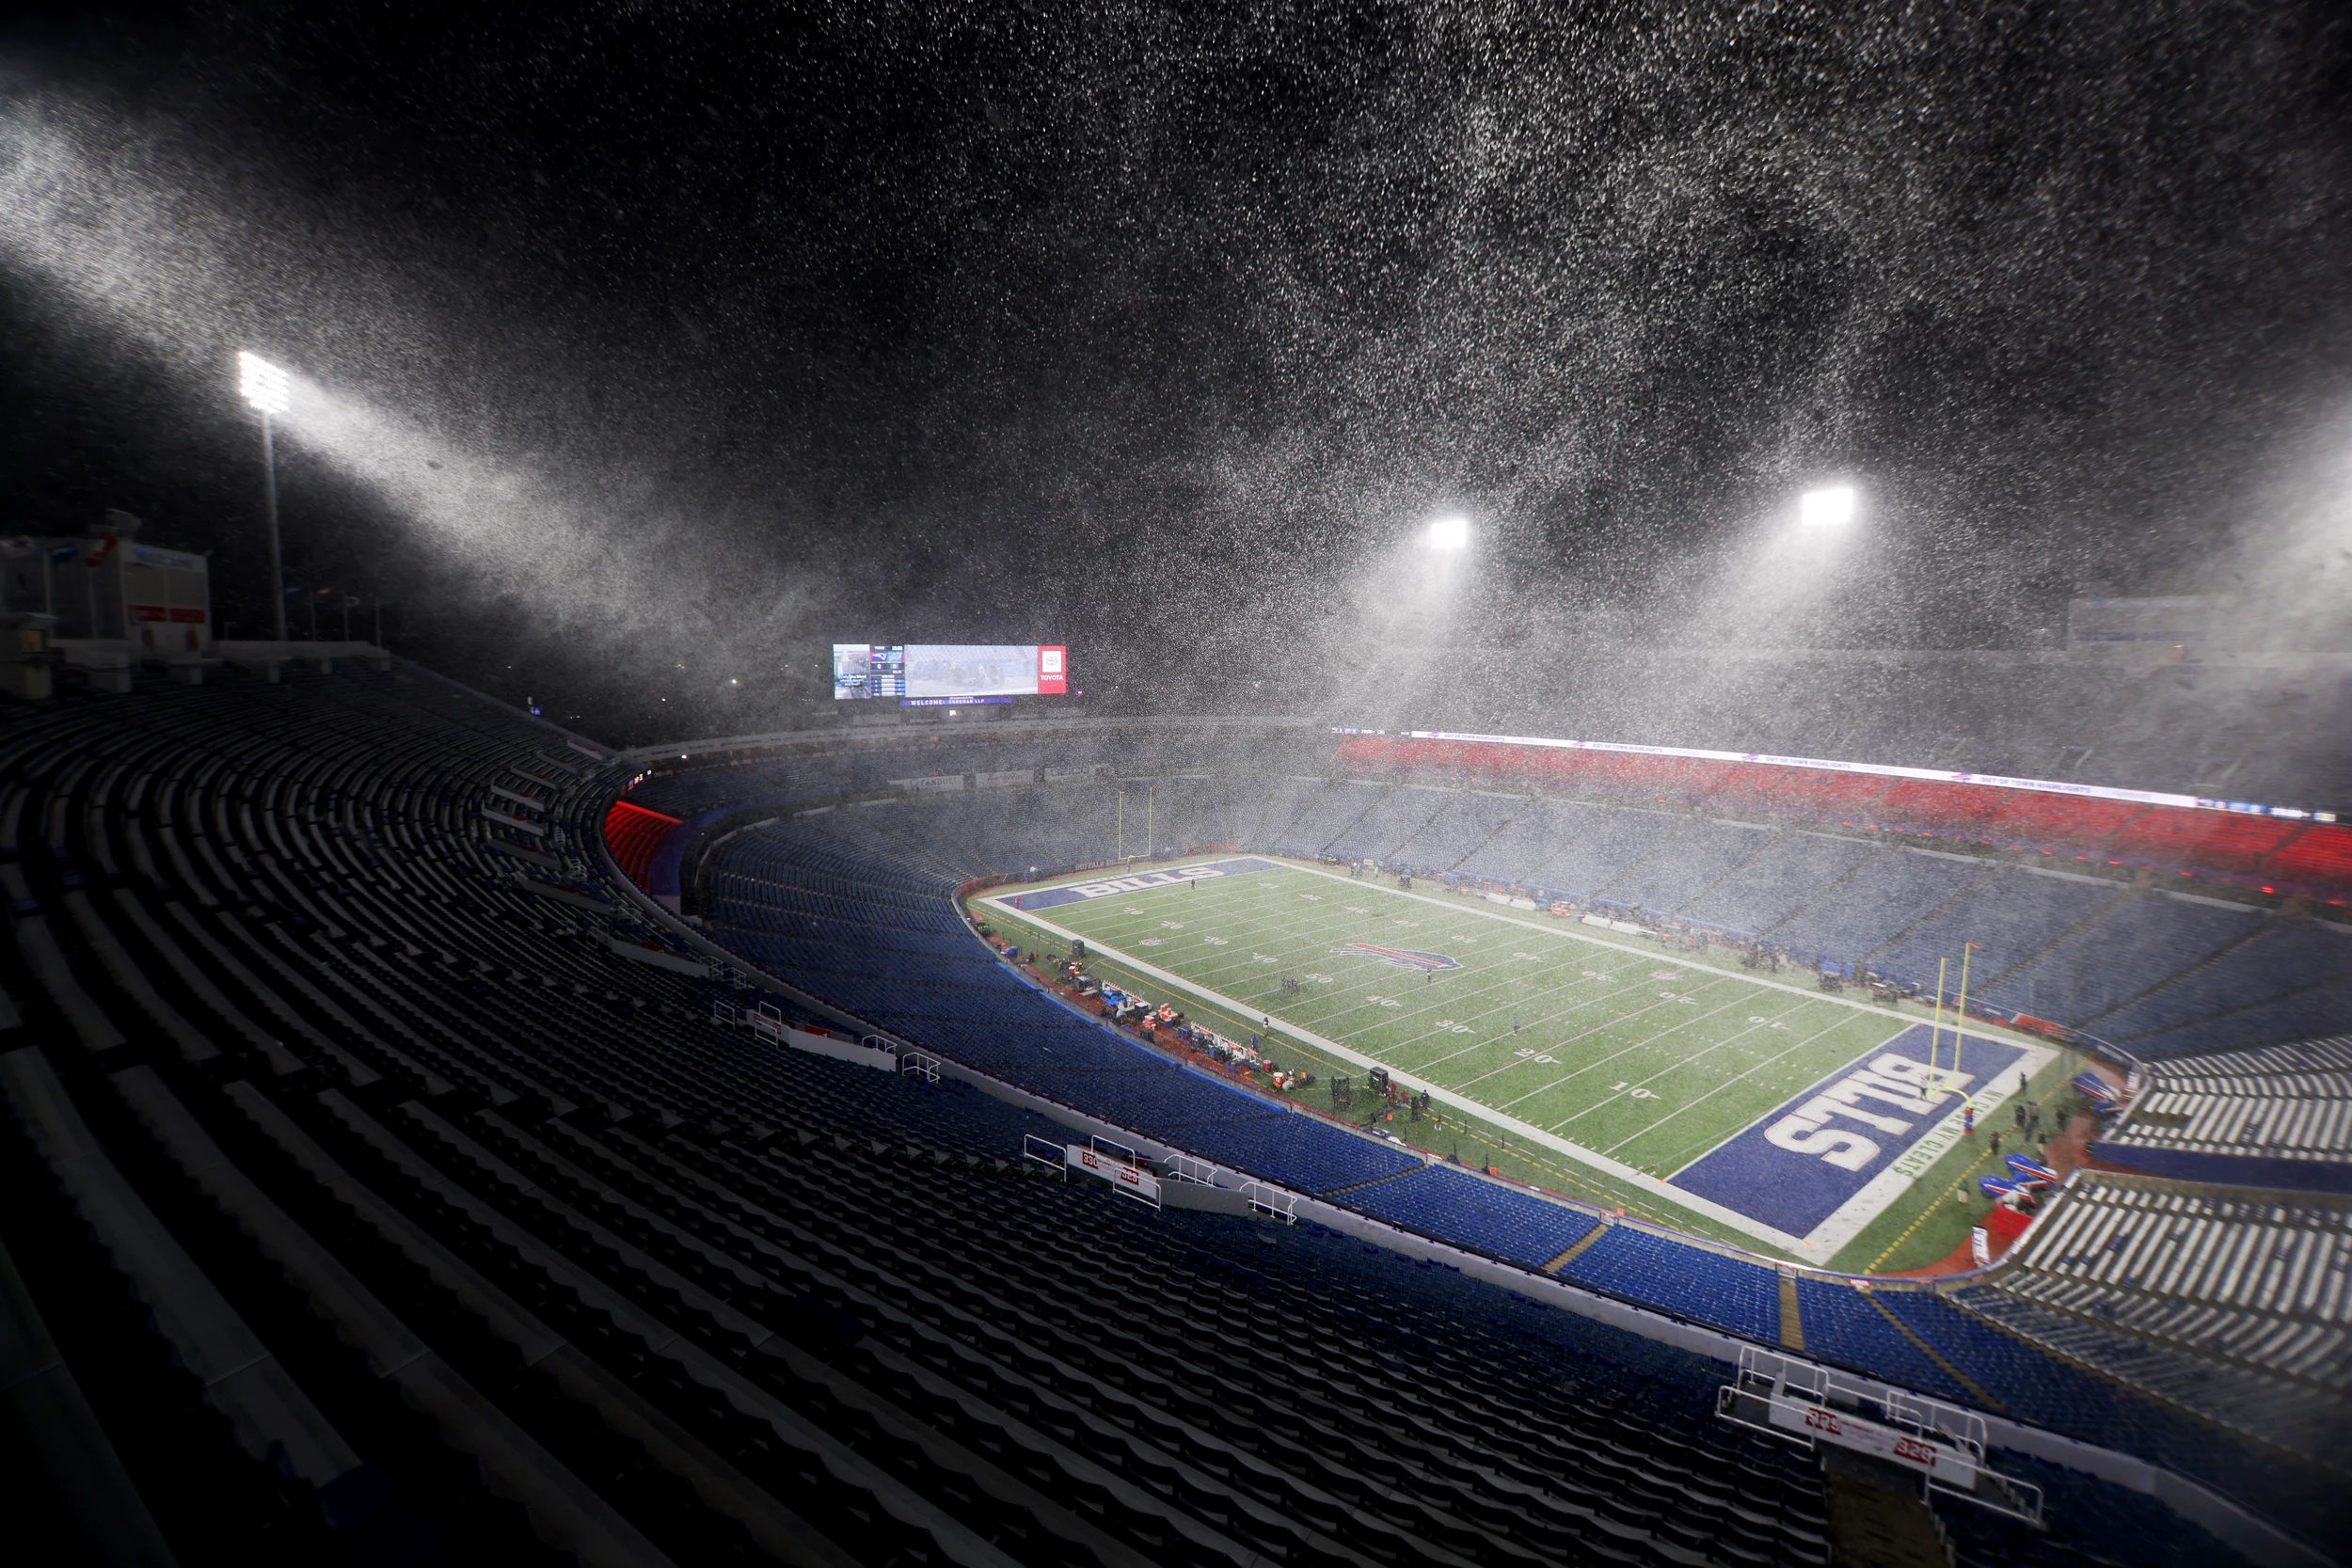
(1752,1109)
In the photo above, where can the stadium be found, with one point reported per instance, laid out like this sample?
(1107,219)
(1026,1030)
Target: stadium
(1801,1103)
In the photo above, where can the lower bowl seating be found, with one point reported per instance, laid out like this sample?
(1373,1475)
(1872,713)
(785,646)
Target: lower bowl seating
(368,1201)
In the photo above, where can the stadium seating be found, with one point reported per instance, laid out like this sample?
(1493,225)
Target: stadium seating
(2010,918)
(1534,835)
(1790,871)
(1613,846)
(1877,902)
(2232,847)
(463,1222)
(2219,1002)
(2280,1116)
(1702,855)
(2222,1301)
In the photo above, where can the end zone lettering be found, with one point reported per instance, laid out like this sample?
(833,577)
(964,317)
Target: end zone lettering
(1140,881)
(1148,879)
(1896,1081)
(1797,1165)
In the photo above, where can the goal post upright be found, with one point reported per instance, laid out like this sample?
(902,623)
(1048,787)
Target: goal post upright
(1959,1023)
(1935,1030)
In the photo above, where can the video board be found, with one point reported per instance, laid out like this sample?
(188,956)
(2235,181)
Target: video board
(938,675)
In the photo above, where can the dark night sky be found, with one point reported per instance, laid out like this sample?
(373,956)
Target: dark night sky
(1157,330)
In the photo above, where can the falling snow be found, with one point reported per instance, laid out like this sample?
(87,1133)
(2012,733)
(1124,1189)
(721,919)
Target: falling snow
(644,349)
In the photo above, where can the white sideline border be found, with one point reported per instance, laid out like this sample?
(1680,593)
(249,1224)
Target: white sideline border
(1640,1181)
(1823,1242)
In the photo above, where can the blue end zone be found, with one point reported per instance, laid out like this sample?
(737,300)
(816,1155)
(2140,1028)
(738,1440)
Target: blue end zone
(1140,881)
(1797,1167)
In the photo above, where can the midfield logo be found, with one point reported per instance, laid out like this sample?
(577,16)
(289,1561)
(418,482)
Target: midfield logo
(1404,957)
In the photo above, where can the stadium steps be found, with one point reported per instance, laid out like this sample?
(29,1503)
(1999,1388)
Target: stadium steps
(2261,929)
(1764,842)
(1827,893)
(1965,892)
(1369,806)
(99,1508)
(1665,846)
(1375,1181)
(1877,1515)
(1501,829)
(2085,924)
(1445,800)
(1569,1254)
(1976,1390)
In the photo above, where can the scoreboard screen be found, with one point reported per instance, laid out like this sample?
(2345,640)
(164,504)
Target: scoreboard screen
(928,675)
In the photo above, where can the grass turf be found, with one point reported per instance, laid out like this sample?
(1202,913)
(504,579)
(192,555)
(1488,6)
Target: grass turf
(1631,1054)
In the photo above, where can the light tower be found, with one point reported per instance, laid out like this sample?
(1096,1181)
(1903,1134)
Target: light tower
(1828,508)
(265,387)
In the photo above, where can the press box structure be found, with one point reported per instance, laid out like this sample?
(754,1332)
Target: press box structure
(156,601)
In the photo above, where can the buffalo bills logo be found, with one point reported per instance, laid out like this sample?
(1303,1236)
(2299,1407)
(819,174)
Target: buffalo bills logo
(1404,957)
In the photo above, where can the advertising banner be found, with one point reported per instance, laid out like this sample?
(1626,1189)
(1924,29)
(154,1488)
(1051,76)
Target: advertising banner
(1139,881)
(1952,1466)
(1116,1172)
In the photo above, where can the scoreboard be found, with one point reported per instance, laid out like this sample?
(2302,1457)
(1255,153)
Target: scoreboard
(939,674)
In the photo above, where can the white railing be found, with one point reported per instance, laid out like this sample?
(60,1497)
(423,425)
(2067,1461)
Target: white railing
(1045,1152)
(1184,1168)
(1805,1404)
(921,1064)
(725,1012)
(1272,1200)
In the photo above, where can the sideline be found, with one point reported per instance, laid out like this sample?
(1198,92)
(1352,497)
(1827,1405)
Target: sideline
(1821,1245)
(1672,1198)
(1571,930)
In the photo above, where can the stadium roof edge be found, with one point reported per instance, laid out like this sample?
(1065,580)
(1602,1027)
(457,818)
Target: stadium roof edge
(1069,724)
(1991,781)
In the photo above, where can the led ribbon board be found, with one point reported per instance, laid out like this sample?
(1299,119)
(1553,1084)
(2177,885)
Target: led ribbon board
(1888,771)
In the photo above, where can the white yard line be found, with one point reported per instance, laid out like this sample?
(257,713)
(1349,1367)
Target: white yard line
(1741,1077)
(1818,1247)
(1480,907)
(1674,1197)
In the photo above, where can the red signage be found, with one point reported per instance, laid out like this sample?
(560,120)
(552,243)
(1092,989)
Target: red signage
(1053,669)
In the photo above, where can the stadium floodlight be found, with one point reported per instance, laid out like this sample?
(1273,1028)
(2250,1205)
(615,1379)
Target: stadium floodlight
(265,387)
(1827,508)
(263,383)
(1450,533)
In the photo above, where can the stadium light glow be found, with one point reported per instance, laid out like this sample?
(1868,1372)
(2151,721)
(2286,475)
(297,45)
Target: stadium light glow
(262,384)
(1450,533)
(1827,508)
(265,387)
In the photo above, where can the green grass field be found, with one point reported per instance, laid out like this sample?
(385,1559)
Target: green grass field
(1589,1067)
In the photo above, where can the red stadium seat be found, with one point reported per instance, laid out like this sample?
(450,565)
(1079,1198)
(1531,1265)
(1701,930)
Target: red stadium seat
(2319,856)
(1932,803)
(634,834)
(2038,818)
(2187,837)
